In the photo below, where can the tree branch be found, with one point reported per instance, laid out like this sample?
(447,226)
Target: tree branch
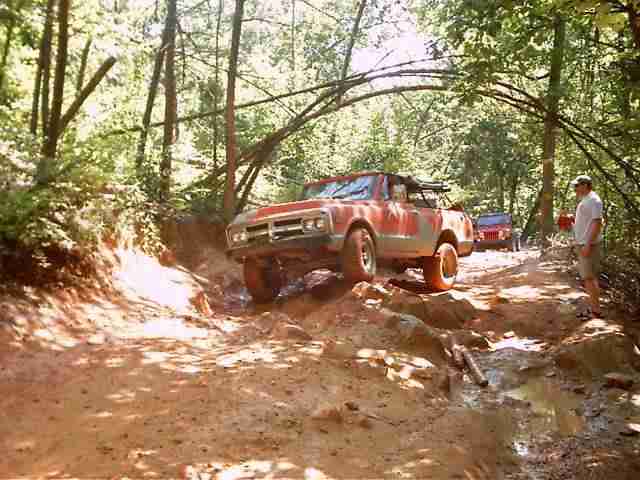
(86,91)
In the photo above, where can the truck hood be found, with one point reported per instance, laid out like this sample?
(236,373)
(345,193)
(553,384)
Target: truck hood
(283,208)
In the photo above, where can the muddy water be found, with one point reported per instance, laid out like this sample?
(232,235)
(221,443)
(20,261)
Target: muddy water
(525,401)
(553,410)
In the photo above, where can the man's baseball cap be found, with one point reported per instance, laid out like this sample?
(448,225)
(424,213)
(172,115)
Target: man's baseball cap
(581,180)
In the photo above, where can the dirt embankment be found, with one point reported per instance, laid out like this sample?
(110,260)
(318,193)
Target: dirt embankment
(177,373)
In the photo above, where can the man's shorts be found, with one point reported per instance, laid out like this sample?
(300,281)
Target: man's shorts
(589,267)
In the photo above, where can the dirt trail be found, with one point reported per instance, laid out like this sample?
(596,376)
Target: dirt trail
(322,384)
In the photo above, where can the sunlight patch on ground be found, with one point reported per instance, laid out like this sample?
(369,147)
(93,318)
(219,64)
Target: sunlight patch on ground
(216,470)
(103,414)
(173,328)
(115,362)
(254,354)
(311,473)
(594,328)
(524,344)
(143,276)
(527,292)
(25,445)
(155,357)
(124,396)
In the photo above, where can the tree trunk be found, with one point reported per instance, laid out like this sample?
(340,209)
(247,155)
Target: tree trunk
(262,158)
(83,66)
(151,98)
(634,23)
(528,226)
(41,87)
(46,69)
(352,41)
(171,102)
(345,70)
(229,203)
(293,45)
(216,92)
(45,167)
(551,127)
(11,23)
(513,191)
(35,102)
(501,191)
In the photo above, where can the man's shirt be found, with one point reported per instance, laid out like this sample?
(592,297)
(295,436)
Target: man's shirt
(589,209)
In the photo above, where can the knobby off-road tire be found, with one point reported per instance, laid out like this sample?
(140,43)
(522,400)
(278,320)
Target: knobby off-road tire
(263,283)
(359,257)
(440,271)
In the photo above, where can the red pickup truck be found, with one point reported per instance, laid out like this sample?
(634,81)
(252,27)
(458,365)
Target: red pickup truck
(352,224)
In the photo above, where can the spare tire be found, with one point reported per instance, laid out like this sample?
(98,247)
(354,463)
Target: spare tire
(440,271)
(263,282)
(359,257)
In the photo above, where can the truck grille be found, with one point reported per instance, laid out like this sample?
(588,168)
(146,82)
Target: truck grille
(278,230)
(491,236)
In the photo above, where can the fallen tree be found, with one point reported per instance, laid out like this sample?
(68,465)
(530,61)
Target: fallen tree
(259,155)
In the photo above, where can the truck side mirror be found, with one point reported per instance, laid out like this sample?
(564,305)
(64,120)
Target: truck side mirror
(399,193)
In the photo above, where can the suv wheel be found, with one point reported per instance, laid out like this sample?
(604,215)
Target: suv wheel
(440,271)
(359,257)
(263,282)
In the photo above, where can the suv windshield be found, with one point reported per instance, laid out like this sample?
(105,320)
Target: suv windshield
(494,220)
(359,188)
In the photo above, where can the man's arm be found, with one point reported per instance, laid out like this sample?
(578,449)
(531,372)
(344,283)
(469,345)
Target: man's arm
(594,230)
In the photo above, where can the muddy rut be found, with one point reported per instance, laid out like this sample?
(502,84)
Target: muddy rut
(327,382)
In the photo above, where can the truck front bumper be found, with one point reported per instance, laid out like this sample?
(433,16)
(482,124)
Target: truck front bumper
(493,243)
(312,246)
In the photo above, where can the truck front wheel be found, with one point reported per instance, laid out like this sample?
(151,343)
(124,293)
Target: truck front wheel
(359,257)
(440,271)
(263,282)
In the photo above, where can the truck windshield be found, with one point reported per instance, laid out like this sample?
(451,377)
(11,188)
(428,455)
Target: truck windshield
(494,220)
(359,188)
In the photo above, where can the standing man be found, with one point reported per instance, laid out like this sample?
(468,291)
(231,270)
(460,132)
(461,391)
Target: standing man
(588,234)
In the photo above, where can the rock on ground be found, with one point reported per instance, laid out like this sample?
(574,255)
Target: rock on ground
(415,332)
(595,353)
(290,331)
(268,321)
(330,413)
(619,380)
(442,310)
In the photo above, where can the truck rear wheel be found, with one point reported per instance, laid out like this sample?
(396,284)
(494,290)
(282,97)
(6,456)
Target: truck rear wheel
(440,271)
(263,282)
(359,257)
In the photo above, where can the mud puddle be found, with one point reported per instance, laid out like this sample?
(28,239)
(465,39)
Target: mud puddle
(551,412)
(525,401)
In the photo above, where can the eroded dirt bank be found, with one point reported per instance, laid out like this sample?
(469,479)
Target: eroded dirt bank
(328,382)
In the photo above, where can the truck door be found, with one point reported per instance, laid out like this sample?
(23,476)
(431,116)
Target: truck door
(400,222)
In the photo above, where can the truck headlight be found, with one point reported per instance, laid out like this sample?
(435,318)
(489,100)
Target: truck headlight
(501,234)
(318,224)
(481,235)
(239,236)
(308,224)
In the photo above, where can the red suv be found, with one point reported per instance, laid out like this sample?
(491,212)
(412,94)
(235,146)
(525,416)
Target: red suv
(496,230)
